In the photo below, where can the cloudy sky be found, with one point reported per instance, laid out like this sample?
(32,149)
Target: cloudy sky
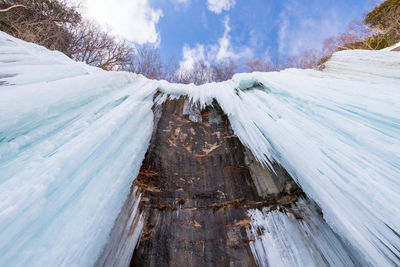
(214,30)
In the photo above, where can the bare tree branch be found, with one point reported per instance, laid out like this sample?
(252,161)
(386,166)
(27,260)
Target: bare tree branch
(11,7)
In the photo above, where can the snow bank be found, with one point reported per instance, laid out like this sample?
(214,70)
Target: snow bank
(72,138)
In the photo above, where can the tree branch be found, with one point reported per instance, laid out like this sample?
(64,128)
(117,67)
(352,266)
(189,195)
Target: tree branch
(11,7)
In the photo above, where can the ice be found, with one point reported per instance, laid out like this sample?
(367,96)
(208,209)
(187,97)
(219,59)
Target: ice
(335,131)
(125,234)
(299,237)
(72,138)
(70,148)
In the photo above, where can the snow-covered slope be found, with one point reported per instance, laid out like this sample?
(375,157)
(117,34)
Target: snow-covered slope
(72,138)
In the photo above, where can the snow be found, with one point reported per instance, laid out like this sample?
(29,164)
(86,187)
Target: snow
(72,139)
(391,48)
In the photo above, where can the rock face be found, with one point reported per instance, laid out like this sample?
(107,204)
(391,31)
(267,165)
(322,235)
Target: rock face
(197,182)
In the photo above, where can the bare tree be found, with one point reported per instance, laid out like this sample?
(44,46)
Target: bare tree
(92,45)
(41,21)
(224,70)
(384,22)
(146,60)
(203,72)
(258,65)
(58,25)
(200,73)
(352,38)
(11,7)
(308,59)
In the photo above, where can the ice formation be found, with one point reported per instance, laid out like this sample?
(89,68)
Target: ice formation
(72,139)
(336,132)
(310,242)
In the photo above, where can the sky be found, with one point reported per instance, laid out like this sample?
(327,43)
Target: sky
(216,30)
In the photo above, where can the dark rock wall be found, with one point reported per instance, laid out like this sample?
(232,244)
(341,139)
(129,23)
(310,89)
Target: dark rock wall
(197,185)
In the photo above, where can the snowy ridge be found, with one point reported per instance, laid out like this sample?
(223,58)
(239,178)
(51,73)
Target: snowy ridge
(72,139)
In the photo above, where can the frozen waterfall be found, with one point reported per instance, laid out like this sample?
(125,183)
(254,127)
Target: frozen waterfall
(72,139)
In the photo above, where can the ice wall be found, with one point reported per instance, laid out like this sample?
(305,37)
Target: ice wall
(336,132)
(125,234)
(295,237)
(72,138)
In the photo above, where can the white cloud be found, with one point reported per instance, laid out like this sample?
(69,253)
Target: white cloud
(133,20)
(283,32)
(191,56)
(217,6)
(223,50)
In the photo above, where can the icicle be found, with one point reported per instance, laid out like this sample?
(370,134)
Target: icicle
(296,237)
(73,136)
(125,235)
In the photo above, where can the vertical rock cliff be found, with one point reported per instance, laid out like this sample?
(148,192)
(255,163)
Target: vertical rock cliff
(197,182)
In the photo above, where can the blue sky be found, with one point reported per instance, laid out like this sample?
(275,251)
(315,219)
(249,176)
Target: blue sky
(214,30)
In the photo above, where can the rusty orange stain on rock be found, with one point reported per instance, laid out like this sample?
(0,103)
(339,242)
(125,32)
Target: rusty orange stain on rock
(171,142)
(182,137)
(245,222)
(147,186)
(210,147)
(196,224)
(169,128)
(188,147)
(182,119)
